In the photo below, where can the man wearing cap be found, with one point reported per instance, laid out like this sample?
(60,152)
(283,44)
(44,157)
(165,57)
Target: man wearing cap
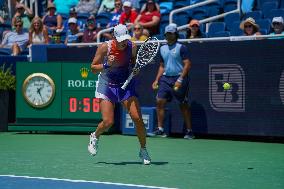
(278,26)
(20,14)
(128,15)
(73,14)
(73,34)
(114,60)
(172,80)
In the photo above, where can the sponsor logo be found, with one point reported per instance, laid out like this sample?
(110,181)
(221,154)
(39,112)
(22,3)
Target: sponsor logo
(232,100)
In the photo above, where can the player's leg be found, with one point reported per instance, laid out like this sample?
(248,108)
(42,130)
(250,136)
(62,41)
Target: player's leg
(107,111)
(133,108)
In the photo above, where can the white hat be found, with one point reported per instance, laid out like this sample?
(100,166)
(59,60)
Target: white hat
(278,19)
(121,33)
(72,20)
(127,4)
(171,28)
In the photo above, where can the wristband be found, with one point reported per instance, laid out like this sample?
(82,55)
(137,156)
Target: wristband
(105,65)
(180,79)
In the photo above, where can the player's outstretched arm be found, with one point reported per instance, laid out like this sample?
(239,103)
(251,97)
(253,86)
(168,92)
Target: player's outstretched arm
(97,63)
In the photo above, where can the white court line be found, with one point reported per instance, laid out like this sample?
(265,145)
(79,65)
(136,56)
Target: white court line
(85,181)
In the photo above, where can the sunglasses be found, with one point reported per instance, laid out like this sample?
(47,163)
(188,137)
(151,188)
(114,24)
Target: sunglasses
(276,23)
(195,25)
(137,28)
(248,26)
(117,4)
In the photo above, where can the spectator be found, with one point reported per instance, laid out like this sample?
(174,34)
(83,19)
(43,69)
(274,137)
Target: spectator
(38,33)
(115,17)
(247,6)
(73,34)
(145,5)
(135,4)
(150,17)
(56,38)
(16,40)
(87,6)
(63,6)
(277,25)
(249,27)
(115,14)
(138,33)
(73,14)
(128,16)
(106,6)
(51,20)
(20,13)
(194,30)
(173,80)
(90,34)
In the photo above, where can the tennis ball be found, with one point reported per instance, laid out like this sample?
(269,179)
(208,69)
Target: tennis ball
(156,87)
(175,88)
(226,86)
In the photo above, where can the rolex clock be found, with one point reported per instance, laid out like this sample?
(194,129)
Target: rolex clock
(38,90)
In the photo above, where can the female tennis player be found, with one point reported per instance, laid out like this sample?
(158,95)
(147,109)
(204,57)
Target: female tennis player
(114,60)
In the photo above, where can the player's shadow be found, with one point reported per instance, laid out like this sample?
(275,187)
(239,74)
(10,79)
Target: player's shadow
(130,163)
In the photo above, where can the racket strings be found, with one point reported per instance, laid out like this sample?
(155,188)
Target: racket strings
(147,52)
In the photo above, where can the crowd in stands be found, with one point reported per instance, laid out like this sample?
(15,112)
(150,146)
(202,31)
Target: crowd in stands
(76,21)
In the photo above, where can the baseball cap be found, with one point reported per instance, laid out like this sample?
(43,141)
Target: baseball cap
(171,28)
(72,20)
(278,19)
(127,4)
(121,33)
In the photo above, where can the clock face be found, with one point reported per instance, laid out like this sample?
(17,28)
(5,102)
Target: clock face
(38,90)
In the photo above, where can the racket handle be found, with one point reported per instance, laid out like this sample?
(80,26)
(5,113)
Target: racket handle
(127,81)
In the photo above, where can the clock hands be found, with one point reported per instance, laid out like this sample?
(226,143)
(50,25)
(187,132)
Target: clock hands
(38,91)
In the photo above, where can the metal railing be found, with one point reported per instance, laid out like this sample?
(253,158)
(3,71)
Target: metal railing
(206,20)
(231,38)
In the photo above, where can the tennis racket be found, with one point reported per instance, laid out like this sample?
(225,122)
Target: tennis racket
(146,53)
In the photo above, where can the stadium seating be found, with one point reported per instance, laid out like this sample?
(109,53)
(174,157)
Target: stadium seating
(254,14)
(267,6)
(215,27)
(275,12)
(230,19)
(221,34)
(264,24)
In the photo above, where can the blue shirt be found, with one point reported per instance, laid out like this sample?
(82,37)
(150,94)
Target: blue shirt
(172,57)
(13,37)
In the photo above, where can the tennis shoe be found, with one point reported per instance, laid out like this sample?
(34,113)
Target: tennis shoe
(93,144)
(158,133)
(189,135)
(144,156)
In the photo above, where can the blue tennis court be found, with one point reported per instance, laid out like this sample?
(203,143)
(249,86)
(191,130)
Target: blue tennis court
(26,182)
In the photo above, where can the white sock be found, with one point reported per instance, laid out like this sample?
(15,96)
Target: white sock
(189,130)
(161,129)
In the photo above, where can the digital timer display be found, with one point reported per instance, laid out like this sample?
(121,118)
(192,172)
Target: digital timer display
(80,105)
(85,104)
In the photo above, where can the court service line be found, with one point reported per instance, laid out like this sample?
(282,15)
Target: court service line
(85,181)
